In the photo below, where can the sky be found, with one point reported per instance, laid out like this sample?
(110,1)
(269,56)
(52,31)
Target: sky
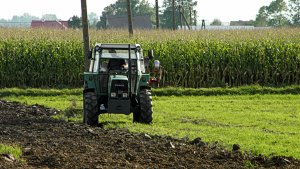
(225,10)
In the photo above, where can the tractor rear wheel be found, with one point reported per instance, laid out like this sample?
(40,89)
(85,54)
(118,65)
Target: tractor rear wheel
(90,115)
(144,115)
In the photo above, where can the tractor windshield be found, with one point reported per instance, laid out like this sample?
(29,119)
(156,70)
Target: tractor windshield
(101,59)
(117,54)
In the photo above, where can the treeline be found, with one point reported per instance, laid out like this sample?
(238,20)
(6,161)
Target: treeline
(279,13)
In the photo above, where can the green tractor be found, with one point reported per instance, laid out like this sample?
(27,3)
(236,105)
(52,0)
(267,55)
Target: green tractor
(117,83)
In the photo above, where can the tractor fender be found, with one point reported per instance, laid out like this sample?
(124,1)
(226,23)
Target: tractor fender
(145,87)
(88,90)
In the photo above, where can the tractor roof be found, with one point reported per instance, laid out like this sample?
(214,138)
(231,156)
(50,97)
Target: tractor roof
(117,46)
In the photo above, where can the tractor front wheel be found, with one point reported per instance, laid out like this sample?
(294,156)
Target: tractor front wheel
(90,113)
(144,115)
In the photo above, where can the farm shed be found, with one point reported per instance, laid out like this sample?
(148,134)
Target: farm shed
(142,22)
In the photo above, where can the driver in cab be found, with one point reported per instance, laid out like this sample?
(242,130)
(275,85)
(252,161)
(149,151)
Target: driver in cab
(116,63)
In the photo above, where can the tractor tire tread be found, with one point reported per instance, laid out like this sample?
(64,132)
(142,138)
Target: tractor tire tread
(145,113)
(91,114)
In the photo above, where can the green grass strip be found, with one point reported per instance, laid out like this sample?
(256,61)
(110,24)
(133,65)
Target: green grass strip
(244,90)
(38,92)
(168,91)
(15,150)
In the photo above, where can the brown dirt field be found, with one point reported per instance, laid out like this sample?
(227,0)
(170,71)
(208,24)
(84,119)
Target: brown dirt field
(50,143)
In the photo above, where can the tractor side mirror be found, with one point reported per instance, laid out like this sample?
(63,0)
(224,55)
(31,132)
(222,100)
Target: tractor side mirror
(150,54)
(156,65)
(90,54)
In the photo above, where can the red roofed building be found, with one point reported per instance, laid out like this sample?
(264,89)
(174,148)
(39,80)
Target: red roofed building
(54,24)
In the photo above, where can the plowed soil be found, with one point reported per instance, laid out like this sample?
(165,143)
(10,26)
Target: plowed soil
(50,143)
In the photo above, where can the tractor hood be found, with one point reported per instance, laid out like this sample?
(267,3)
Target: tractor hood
(118,77)
(118,84)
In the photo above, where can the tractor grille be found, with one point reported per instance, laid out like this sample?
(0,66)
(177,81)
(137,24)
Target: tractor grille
(119,86)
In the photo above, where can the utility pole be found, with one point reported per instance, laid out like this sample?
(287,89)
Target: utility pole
(195,18)
(181,16)
(130,27)
(191,19)
(157,19)
(186,22)
(173,11)
(85,32)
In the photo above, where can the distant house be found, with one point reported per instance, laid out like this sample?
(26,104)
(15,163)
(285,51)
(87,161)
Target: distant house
(52,24)
(142,22)
(242,23)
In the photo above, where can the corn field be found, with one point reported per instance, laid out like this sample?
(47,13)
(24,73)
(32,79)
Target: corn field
(54,58)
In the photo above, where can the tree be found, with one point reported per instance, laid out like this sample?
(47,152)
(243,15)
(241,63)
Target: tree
(167,15)
(109,10)
(25,18)
(294,9)
(3,23)
(119,8)
(138,7)
(102,23)
(262,17)
(75,22)
(144,8)
(276,11)
(273,15)
(93,19)
(216,22)
(50,17)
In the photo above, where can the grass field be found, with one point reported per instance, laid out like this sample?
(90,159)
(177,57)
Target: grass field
(265,124)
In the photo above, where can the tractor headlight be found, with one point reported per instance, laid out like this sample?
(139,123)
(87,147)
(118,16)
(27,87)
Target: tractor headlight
(125,95)
(113,94)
